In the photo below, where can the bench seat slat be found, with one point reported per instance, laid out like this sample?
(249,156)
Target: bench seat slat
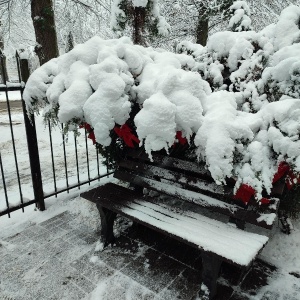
(185,181)
(249,216)
(172,190)
(172,163)
(234,245)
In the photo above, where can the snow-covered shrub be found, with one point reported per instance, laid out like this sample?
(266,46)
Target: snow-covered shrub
(282,76)
(259,67)
(235,102)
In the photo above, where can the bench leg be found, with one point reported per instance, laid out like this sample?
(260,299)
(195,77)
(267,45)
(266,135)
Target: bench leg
(210,273)
(286,223)
(107,225)
(239,223)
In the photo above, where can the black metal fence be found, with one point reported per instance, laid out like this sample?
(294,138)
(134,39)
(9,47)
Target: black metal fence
(49,165)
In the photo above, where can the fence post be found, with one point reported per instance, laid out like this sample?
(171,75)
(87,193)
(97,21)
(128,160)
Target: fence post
(3,69)
(32,143)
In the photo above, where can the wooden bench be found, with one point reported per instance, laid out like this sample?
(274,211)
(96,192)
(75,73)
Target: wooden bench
(192,210)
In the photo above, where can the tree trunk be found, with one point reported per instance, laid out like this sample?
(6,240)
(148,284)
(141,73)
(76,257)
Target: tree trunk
(3,69)
(3,66)
(202,30)
(44,26)
(138,25)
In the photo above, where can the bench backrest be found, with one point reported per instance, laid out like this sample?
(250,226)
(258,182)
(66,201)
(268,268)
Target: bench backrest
(190,181)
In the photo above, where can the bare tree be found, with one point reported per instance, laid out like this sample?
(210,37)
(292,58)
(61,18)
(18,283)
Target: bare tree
(84,18)
(42,15)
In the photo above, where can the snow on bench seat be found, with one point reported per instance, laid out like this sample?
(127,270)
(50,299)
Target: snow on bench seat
(210,235)
(232,244)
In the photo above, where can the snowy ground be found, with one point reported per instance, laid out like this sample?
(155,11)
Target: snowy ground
(51,254)
(13,96)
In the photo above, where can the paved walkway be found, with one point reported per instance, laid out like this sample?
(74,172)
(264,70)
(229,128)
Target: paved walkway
(58,259)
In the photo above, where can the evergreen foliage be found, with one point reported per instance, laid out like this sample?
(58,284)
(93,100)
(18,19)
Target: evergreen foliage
(70,42)
(213,8)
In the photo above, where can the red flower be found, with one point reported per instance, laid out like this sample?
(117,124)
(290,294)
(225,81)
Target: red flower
(181,140)
(124,132)
(283,169)
(244,193)
(91,136)
(90,131)
(264,201)
(86,126)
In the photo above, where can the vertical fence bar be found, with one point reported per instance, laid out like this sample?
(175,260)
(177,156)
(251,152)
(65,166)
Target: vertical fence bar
(87,156)
(65,157)
(52,158)
(4,184)
(11,127)
(33,151)
(98,166)
(107,169)
(76,156)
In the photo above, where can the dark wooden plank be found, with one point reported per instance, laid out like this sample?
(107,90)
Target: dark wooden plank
(250,216)
(190,182)
(193,168)
(181,179)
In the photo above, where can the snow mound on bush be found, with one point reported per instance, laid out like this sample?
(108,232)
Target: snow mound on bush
(287,31)
(98,82)
(221,134)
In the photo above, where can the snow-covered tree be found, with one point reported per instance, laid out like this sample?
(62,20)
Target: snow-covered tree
(88,18)
(142,16)
(240,17)
(207,10)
